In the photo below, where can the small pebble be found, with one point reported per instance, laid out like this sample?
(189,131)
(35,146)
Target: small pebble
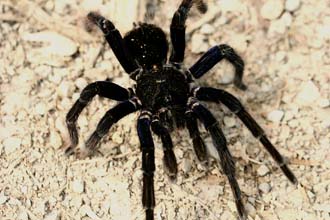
(207,29)
(53,216)
(198,45)
(272,9)
(229,121)
(264,187)
(23,215)
(322,207)
(262,170)
(40,108)
(117,137)
(11,144)
(186,165)
(63,89)
(81,83)
(324,103)
(250,209)
(292,5)
(55,140)
(275,116)
(78,186)
(308,94)
(3,199)
(87,210)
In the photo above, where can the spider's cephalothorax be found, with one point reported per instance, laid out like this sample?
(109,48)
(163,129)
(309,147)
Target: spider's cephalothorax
(167,100)
(148,45)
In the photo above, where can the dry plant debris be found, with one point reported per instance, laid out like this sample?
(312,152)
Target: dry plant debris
(47,57)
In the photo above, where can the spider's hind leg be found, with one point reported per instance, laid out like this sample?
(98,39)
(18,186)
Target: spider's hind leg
(218,95)
(101,88)
(215,55)
(220,143)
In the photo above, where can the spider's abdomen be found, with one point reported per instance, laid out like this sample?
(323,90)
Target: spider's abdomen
(167,89)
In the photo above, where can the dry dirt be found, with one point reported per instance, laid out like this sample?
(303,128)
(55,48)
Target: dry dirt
(47,58)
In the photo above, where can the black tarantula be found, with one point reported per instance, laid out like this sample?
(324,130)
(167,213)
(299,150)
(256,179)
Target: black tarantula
(167,100)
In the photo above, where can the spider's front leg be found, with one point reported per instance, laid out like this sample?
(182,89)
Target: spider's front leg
(148,162)
(220,143)
(116,42)
(178,31)
(215,55)
(102,88)
(110,118)
(218,95)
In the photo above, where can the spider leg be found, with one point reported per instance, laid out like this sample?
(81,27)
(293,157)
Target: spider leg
(101,88)
(111,117)
(178,31)
(198,143)
(116,42)
(215,55)
(148,163)
(218,95)
(220,143)
(169,159)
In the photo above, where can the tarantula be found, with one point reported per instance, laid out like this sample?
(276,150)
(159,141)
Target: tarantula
(167,100)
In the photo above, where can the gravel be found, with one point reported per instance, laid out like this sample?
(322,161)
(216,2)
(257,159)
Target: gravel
(47,57)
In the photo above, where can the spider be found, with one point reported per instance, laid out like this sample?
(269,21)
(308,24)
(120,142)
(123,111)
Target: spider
(167,100)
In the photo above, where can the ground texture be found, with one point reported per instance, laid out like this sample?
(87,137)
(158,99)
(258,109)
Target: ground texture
(47,58)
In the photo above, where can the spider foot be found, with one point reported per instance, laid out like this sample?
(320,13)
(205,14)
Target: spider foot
(239,84)
(69,150)
(82,153)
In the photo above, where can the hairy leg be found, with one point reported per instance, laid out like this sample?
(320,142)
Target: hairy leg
(148,163)
(215,55)
(218,95)
(169,159)
(101,88)
(220,143)
(116,42)
(198,143)
(178,31)
(110,118)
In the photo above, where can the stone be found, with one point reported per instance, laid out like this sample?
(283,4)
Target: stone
(308,94)
(55,140)
(11,144)
(264,187)
(324,103)
(292,5)
(275,116)
(198,45)
(57,43)
(272,9)
(3,199)
(40,108)
(229,121)
(262,170)
(81,83)
(207,29)
(78,186)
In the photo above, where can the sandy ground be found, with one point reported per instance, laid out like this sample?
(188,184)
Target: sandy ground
(47,58)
